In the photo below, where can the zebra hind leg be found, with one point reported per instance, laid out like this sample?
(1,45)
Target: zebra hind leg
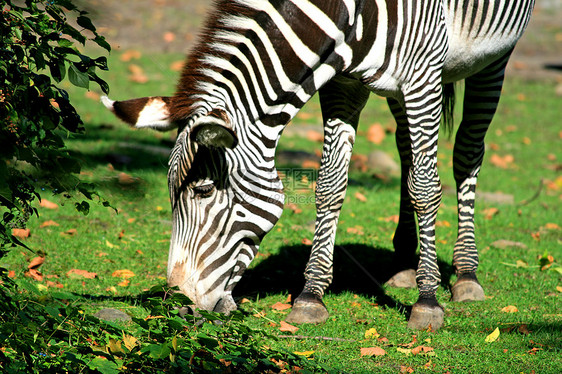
(341,101)
(405,239)
(482,94)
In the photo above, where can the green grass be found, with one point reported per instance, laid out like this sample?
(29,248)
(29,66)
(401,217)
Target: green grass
(136,238)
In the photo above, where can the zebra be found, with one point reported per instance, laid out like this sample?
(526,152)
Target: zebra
(257,63)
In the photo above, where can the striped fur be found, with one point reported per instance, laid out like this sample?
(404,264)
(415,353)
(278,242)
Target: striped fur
(258,62)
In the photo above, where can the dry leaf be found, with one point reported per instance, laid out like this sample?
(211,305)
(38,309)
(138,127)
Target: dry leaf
(48,223)
(124,283)
(372,351)
(92,95)
(310,164)
(372,334)
(12,274)
(502,162)
(355,230)
(48,204)
(285,327)
(306,241)
(124,273)
(493,336)
(421,349)
(359,196)
(509,309)
(304,353)
(169,37)
(406,351)
(125,179)
(129,341)
(54,284)
(32,271)
(315,136)
(130,55)
(489,213)
(177,65)
(523,329)
(21,233)
(280,306)
(376,133)
(36,262)
(72,273)
(551,226)
(70,232)
(559,288)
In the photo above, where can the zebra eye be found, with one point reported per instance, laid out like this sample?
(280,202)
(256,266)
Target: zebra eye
(204,190)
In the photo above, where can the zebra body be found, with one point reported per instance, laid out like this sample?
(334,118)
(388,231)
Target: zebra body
(258,62)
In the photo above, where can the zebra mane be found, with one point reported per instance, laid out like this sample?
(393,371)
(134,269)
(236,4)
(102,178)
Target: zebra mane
(189,89)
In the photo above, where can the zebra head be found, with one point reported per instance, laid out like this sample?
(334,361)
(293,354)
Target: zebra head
(224,198)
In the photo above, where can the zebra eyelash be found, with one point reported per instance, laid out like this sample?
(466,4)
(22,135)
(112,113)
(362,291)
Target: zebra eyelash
(204,190)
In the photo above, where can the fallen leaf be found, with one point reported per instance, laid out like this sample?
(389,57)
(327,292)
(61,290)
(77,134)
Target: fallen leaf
(35,274)
(371,333)
(523,329)
(12,274)
(109,245)
(493,336)
(421,349)
(406,369)
(130,55)
(294,207)
(177,65)
(137,74)
(393,218)
(521,264)
(305,353)
(551,226)
(358,230)
(503,162)
(280,306)
(315,136)
(54,284)
(310,164)
(48,223)
(169,37)
(306,241)
(285,327)
(510,309)
(123,283)
(21,233)
(124,273)
(359,196)
(376,133)
(489,213)
(372,351)
(48,204)
(406,351)
(125,179)
(72,273)
(36,262)
(559,288)
(92,95)
(70,232)
(443,224)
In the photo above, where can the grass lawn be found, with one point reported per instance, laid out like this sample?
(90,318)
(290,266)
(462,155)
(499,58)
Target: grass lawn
(523,282)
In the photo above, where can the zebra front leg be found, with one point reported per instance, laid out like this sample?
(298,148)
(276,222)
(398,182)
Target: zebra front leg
(482,94)
(330,193)
(424,187)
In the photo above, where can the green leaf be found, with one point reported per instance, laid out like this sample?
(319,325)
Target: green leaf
(77,77)
(104,366)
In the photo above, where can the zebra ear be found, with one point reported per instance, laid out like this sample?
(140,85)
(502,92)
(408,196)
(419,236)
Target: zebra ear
(214,131)
(152,112)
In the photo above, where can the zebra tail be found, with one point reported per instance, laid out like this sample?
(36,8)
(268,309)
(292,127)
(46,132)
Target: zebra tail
(448,108)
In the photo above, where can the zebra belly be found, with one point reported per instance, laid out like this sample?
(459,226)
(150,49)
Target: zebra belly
(466,58)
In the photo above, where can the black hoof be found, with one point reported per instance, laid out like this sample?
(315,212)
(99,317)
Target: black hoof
(426,315)
(308,308)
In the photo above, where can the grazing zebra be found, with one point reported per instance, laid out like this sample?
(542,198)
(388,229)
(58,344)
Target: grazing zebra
(257,63)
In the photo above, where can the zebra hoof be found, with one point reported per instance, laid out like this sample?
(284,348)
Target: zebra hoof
(403,279)
(424,317)
(467,290)
(308,308)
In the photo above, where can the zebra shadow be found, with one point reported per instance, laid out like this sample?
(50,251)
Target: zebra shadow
(358,268)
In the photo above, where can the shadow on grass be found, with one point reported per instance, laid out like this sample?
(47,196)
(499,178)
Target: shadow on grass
(358,269)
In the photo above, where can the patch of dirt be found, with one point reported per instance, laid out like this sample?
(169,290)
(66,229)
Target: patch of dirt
(173,25)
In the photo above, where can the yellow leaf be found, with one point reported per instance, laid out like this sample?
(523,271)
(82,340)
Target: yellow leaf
(406,351)
(510,309)
(114,346)
(493,336)
(305,353)
(124,273)
(521,264)
(107,243)
(559,288)
(372,351)
(129,341)
(372,334)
